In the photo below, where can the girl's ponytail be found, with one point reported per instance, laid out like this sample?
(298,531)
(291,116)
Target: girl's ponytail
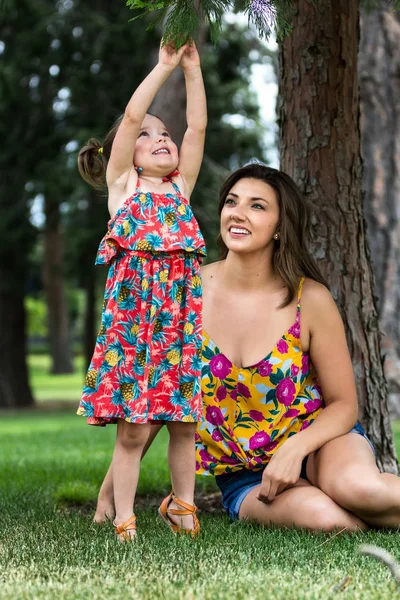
(92,164)
(93,158)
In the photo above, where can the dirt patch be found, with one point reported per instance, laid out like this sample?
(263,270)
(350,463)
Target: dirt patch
(208,503)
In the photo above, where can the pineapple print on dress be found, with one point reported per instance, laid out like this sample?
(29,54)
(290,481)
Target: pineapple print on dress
(146,363)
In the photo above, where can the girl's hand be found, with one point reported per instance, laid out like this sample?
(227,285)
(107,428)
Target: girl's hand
(282,472)
(168,55)
(190,58)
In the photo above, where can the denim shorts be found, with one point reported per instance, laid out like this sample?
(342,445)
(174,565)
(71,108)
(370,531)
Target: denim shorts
(235,486)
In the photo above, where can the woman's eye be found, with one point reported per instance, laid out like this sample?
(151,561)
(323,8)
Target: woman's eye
(258,206)
(229,201)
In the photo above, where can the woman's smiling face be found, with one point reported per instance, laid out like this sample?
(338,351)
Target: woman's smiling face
(250,216)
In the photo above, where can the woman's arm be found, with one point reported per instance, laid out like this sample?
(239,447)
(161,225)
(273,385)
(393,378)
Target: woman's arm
(123,148)
(191,154)
(330,357)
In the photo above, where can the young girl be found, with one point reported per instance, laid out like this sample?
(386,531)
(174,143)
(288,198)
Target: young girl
(146,364)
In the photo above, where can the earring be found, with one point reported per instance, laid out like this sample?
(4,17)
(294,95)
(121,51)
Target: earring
(139,170)
(276,236)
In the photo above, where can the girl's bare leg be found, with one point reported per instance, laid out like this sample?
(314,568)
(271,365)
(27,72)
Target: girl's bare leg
(105,501)
(345,469)
(182,461)
(302,506)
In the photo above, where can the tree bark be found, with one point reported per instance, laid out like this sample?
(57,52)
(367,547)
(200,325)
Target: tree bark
(379,65)
(53,279)
(320,148)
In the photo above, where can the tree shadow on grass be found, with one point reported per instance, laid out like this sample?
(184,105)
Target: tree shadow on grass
(207,503)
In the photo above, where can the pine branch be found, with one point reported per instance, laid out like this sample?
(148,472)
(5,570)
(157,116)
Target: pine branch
(182,17)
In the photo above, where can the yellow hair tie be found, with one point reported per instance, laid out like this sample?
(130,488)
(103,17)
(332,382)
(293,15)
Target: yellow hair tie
(100,150)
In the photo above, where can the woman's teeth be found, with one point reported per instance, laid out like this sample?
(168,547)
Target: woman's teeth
(239,230)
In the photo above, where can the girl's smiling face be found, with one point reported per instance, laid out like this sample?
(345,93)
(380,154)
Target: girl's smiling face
(155,152)
(250,216)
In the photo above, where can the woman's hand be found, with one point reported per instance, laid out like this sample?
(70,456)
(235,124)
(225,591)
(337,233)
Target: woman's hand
(169,56)
(190,58)
(282,472)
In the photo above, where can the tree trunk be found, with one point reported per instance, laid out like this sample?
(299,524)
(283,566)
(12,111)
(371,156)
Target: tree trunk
(53,279)
(379,66)
(15,391)
(320,149)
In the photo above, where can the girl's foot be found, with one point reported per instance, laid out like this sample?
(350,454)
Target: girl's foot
(105,511)
(179,515)
(126,531)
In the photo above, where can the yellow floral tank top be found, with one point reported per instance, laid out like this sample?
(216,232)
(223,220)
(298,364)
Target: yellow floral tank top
(248,413)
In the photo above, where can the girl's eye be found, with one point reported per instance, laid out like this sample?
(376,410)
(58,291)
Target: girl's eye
(143,133)
(166,134)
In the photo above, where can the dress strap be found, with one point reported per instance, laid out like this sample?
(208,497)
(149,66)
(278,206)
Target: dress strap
(299,292)
(170,178)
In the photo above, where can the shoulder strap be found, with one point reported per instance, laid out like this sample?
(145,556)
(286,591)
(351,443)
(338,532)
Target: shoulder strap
(299,292)
(170,178)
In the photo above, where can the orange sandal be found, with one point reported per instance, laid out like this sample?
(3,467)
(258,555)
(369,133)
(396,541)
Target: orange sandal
(187,509)
(123,529)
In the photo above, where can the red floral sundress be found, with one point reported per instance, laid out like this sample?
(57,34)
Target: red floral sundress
(147,359)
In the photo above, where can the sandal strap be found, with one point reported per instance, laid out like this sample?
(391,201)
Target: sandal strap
(129,524)
(187,509)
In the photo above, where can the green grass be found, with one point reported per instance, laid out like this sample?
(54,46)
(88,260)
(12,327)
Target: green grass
(55,388)
(51,467)
(50,462)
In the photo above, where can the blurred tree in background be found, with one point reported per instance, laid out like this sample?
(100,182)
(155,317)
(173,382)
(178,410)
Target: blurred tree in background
(379,60)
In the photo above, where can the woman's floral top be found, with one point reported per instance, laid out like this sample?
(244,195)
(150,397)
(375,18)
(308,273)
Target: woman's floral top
(248,413)
(149,222)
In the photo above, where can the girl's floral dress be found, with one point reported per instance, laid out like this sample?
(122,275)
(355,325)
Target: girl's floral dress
(248,413)
(147,358)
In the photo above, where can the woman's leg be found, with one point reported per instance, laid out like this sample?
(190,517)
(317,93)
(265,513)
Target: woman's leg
(105,500)
(303,506)
(182,465)
(346,471)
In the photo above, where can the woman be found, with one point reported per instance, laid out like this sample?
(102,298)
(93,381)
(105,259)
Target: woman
(279,430)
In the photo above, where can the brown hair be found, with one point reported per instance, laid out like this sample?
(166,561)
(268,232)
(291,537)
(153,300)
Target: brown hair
(92,164)
(291,257)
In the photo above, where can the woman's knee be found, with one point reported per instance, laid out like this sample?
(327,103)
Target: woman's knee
(356,491)
(325,515)
(304,507)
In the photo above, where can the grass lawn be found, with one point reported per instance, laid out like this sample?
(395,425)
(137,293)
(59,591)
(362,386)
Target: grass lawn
(55,388)
(51,466)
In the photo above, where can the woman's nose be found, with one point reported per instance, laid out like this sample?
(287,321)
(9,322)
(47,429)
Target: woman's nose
(238,214)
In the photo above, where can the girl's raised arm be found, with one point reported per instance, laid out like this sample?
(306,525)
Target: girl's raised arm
(121,159)
(192,149)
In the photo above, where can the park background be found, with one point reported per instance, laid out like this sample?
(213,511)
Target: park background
(67,69)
